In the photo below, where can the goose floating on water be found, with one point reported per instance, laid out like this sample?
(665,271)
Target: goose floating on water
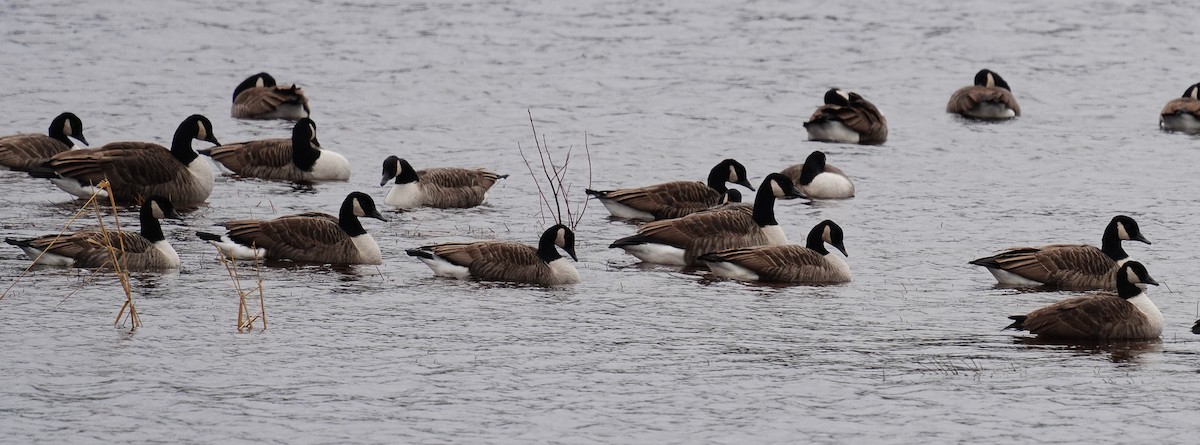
(25,151)
(1068,266)
(989,98)
(145,250)
(506,260)
(673,199)
(445,187)
(136,170)
(299,159)
(259,97)
(1127,315)
(847,117)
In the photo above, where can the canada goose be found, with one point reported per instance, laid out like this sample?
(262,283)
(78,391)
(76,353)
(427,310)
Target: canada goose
(138,169)
(505,260)
(989,98)
(1183,113)
(810,263)
(1068,266)
(673,199)
(299,159)
(147,250)
(847,117)
(443,188)
(679,241)
(817,180)
(312,237)
(1128,315)
(25,151)
(258,97)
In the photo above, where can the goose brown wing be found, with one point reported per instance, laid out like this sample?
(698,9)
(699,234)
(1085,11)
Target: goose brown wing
(1075,266)
(967,98)
(450,177)
(495,260)
(793,172)
(247,158)
(1183,105)
(298,237)
(258,101)
(791,263)
(1081,317)
(683,232)
(88,247)
(869,124)
(25,151)
(125,164)
(669,199)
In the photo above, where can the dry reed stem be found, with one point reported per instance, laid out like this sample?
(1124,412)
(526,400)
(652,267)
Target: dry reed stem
(245,320)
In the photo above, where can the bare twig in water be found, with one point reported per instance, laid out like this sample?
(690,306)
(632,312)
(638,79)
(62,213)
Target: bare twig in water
(556,176)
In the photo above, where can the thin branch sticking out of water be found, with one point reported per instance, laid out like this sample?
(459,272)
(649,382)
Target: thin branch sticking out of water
(556,179)
(245,320)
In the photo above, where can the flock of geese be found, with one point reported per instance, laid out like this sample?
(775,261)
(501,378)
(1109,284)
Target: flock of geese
(685,223)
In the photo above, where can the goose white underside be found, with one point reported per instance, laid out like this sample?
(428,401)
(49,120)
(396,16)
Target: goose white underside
(404,196)
(168,252)
(78,189)
(726,269)
(623,211)
(47,259)
(1011,279)
(331,166)
(563,271)
(290,112)
(990,110)
(1186,123)
(368,249)
(443,268)
(828,186)
(1153,315)
(239,251)
(657,254)
(831,131)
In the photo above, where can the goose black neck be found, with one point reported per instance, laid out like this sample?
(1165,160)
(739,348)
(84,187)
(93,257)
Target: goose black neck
(304,155)
(816,240)
(348,221)
(181,144)
(151,228)
(56,132)
(1125,289)
(811,170)
(547,250)
(717,177)
(407,174)
(1111,244)
(764,206)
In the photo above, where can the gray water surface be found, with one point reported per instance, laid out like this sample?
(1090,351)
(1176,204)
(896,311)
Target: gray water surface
(910,351)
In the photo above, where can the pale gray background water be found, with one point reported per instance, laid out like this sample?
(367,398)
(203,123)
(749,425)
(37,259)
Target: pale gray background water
(910,351)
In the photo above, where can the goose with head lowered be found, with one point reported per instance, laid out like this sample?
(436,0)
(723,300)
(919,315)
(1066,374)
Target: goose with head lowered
(847,117)
(25,151)
(259,97)
(1182,114)
(680,241)
(136,170)
(312,237)
(989,98)
(1067,266)
(299,159)
(1127,315)
(444,187)
(146,250)
(506,260)
(673,199)
(818,180)
(810,263)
